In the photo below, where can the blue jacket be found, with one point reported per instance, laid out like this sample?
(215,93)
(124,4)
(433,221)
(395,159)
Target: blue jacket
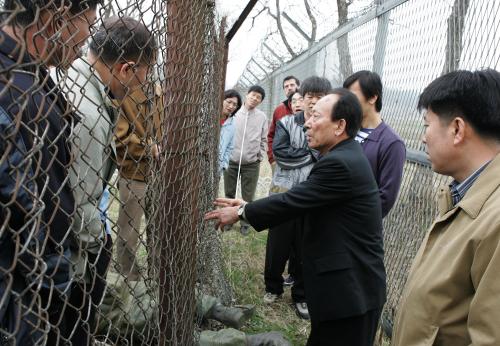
(35,200)
(226,143)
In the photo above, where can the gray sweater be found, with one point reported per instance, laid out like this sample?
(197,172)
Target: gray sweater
(255,141)
(93,151)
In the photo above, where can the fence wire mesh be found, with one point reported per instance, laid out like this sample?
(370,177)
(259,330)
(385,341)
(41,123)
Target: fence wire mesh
(409,43)
(109,135)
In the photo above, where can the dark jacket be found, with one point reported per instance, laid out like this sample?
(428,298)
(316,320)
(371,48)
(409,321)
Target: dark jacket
(283,109)
(294,158)
(36,201)
(386,153)
(343,264)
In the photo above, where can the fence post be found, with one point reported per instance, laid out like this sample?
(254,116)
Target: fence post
(380,40)
(179,184)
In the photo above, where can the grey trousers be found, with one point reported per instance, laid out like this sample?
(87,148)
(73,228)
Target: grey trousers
(249,174)
(132,207)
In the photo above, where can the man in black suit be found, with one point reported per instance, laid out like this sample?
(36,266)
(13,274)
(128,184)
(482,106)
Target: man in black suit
(339,203)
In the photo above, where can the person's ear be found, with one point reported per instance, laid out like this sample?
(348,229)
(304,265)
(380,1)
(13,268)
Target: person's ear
(458,129)
(125,71)
(372,100)
(128,67)
(341,125)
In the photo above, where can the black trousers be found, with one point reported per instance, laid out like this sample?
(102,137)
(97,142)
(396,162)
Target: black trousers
(292,263)
(281,241)
(78,320)
(352,331)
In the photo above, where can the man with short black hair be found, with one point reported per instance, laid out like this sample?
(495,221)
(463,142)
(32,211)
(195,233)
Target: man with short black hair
(290,86)
(384,149)
(452,292)
(249,148)
(339,205)
(109,78)
(35,126)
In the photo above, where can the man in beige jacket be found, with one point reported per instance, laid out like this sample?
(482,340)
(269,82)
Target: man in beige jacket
(452,296)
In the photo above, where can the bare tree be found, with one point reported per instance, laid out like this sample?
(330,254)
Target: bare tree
(343,41)
(314,24)
(280,15)
(277,17)
(454,45)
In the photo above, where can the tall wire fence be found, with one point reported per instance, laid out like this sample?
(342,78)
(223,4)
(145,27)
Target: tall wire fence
(108,154)
(409,43)
(136,118)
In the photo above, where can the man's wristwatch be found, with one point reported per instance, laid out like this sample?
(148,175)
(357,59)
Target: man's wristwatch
(241,212)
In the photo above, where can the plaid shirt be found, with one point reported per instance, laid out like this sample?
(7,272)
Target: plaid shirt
(458,190)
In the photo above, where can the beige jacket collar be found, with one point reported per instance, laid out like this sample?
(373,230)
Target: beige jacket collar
(474,199)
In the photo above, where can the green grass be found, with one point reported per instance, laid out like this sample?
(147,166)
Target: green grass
(245,268)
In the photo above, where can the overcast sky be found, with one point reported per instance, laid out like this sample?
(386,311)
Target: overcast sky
(245,42)
(249,37)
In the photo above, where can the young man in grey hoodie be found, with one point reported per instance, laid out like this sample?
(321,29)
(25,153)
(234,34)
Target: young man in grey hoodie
(250,142)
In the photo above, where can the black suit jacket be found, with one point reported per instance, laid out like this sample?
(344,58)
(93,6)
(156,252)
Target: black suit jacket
(343,253)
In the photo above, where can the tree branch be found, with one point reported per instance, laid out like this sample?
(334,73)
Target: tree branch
(342,10)
(271,14)
(454,34)
(281,31)
(343,42)
(314,24)
(258,14)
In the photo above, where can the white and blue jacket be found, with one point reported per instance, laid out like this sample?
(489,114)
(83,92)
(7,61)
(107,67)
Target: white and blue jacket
(226,143)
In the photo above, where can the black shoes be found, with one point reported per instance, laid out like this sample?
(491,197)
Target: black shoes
(289,281)
(302,310)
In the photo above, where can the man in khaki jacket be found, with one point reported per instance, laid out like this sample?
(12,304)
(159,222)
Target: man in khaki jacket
(452,296)
(136,135)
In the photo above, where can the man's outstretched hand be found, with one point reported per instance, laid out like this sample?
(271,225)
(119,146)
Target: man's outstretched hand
(227,215)
(228,202)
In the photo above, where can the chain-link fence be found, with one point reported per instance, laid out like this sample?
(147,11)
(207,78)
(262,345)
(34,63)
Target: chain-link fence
(109,135)
(409,43)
